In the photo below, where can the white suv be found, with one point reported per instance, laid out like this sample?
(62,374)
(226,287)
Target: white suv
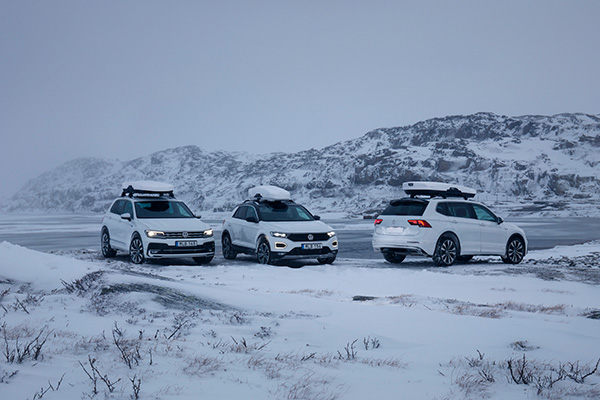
(438,221)
(148,222)
(272,226)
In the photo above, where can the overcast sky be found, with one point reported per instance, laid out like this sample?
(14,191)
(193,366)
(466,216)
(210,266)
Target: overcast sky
(122,79)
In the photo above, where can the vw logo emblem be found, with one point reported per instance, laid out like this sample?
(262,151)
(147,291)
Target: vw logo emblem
(310,236)
(185,234)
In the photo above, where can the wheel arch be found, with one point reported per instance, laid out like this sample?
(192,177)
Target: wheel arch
(515,235)
(261,237)
(454,235)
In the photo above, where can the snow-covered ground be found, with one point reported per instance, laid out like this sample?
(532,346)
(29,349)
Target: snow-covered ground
(74,325)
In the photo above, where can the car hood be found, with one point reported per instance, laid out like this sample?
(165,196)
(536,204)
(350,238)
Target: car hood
(297,226)
(173,224)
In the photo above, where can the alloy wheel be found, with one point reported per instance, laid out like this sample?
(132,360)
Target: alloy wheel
(228,252)
(447,252)
(264,252)
(136,250)
(107,251)
(105,244)
(515,251)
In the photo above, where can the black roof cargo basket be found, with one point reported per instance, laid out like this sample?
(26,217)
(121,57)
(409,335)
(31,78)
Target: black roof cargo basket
(147,188)
(437,189)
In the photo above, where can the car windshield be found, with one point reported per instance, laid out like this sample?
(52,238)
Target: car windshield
(279,211)
(162,209)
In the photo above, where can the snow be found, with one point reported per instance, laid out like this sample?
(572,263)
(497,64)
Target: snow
(237,329)
(269,192)
(42,271)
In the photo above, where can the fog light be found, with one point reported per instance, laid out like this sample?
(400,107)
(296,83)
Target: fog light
(334,244)
(280,245)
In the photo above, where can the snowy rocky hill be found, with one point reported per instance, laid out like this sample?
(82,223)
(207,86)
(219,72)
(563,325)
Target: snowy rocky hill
(520,164)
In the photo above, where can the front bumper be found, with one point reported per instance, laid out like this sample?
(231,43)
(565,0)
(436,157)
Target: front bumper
(284,248)
(170,250)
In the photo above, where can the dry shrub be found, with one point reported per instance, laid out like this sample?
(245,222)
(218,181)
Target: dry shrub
(202,365)
(307,387)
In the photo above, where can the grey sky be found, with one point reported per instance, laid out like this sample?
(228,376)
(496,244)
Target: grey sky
(121,79)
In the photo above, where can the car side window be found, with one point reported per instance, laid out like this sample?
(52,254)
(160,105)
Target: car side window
(251,213)
(461,210)
(484,214)
(127,208)
(117,207)
(442,208)
(241,212)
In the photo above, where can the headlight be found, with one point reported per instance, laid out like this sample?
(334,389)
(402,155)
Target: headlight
(208,232)
(279,234)
(331,234)
(155,234)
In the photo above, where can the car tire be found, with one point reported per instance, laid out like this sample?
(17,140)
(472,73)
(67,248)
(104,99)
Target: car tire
(263,252)
(228,252)
(515,251)
(203,260)
(107,251)
(136,249)
(446,251)
(394,258)
(327,260)
(464,259)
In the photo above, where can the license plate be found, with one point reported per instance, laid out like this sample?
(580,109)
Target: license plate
(185,243)
(312,246)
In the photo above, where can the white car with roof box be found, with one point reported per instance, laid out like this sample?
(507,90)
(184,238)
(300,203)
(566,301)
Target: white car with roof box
(148,222)
(442,221)
(271,226)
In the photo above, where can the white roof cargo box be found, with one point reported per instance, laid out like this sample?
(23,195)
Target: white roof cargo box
(441,189)
(269,193)
(147,187)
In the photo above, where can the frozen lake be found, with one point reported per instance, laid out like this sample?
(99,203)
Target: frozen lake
(82,231)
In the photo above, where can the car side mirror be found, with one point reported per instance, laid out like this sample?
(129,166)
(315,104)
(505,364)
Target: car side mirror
(126,216)
(317,217)
(500,220)
(252,219)
(197,216)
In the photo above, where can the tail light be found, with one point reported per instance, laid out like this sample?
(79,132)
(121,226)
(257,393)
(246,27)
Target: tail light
(419,222)
(378,221)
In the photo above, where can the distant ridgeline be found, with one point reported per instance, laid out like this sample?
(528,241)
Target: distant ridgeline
(539,162)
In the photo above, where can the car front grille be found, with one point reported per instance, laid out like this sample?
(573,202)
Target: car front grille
(180,235)
(303,237)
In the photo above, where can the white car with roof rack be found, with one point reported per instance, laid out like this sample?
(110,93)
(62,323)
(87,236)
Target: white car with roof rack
(442,221)
(271,226)
(148,222)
